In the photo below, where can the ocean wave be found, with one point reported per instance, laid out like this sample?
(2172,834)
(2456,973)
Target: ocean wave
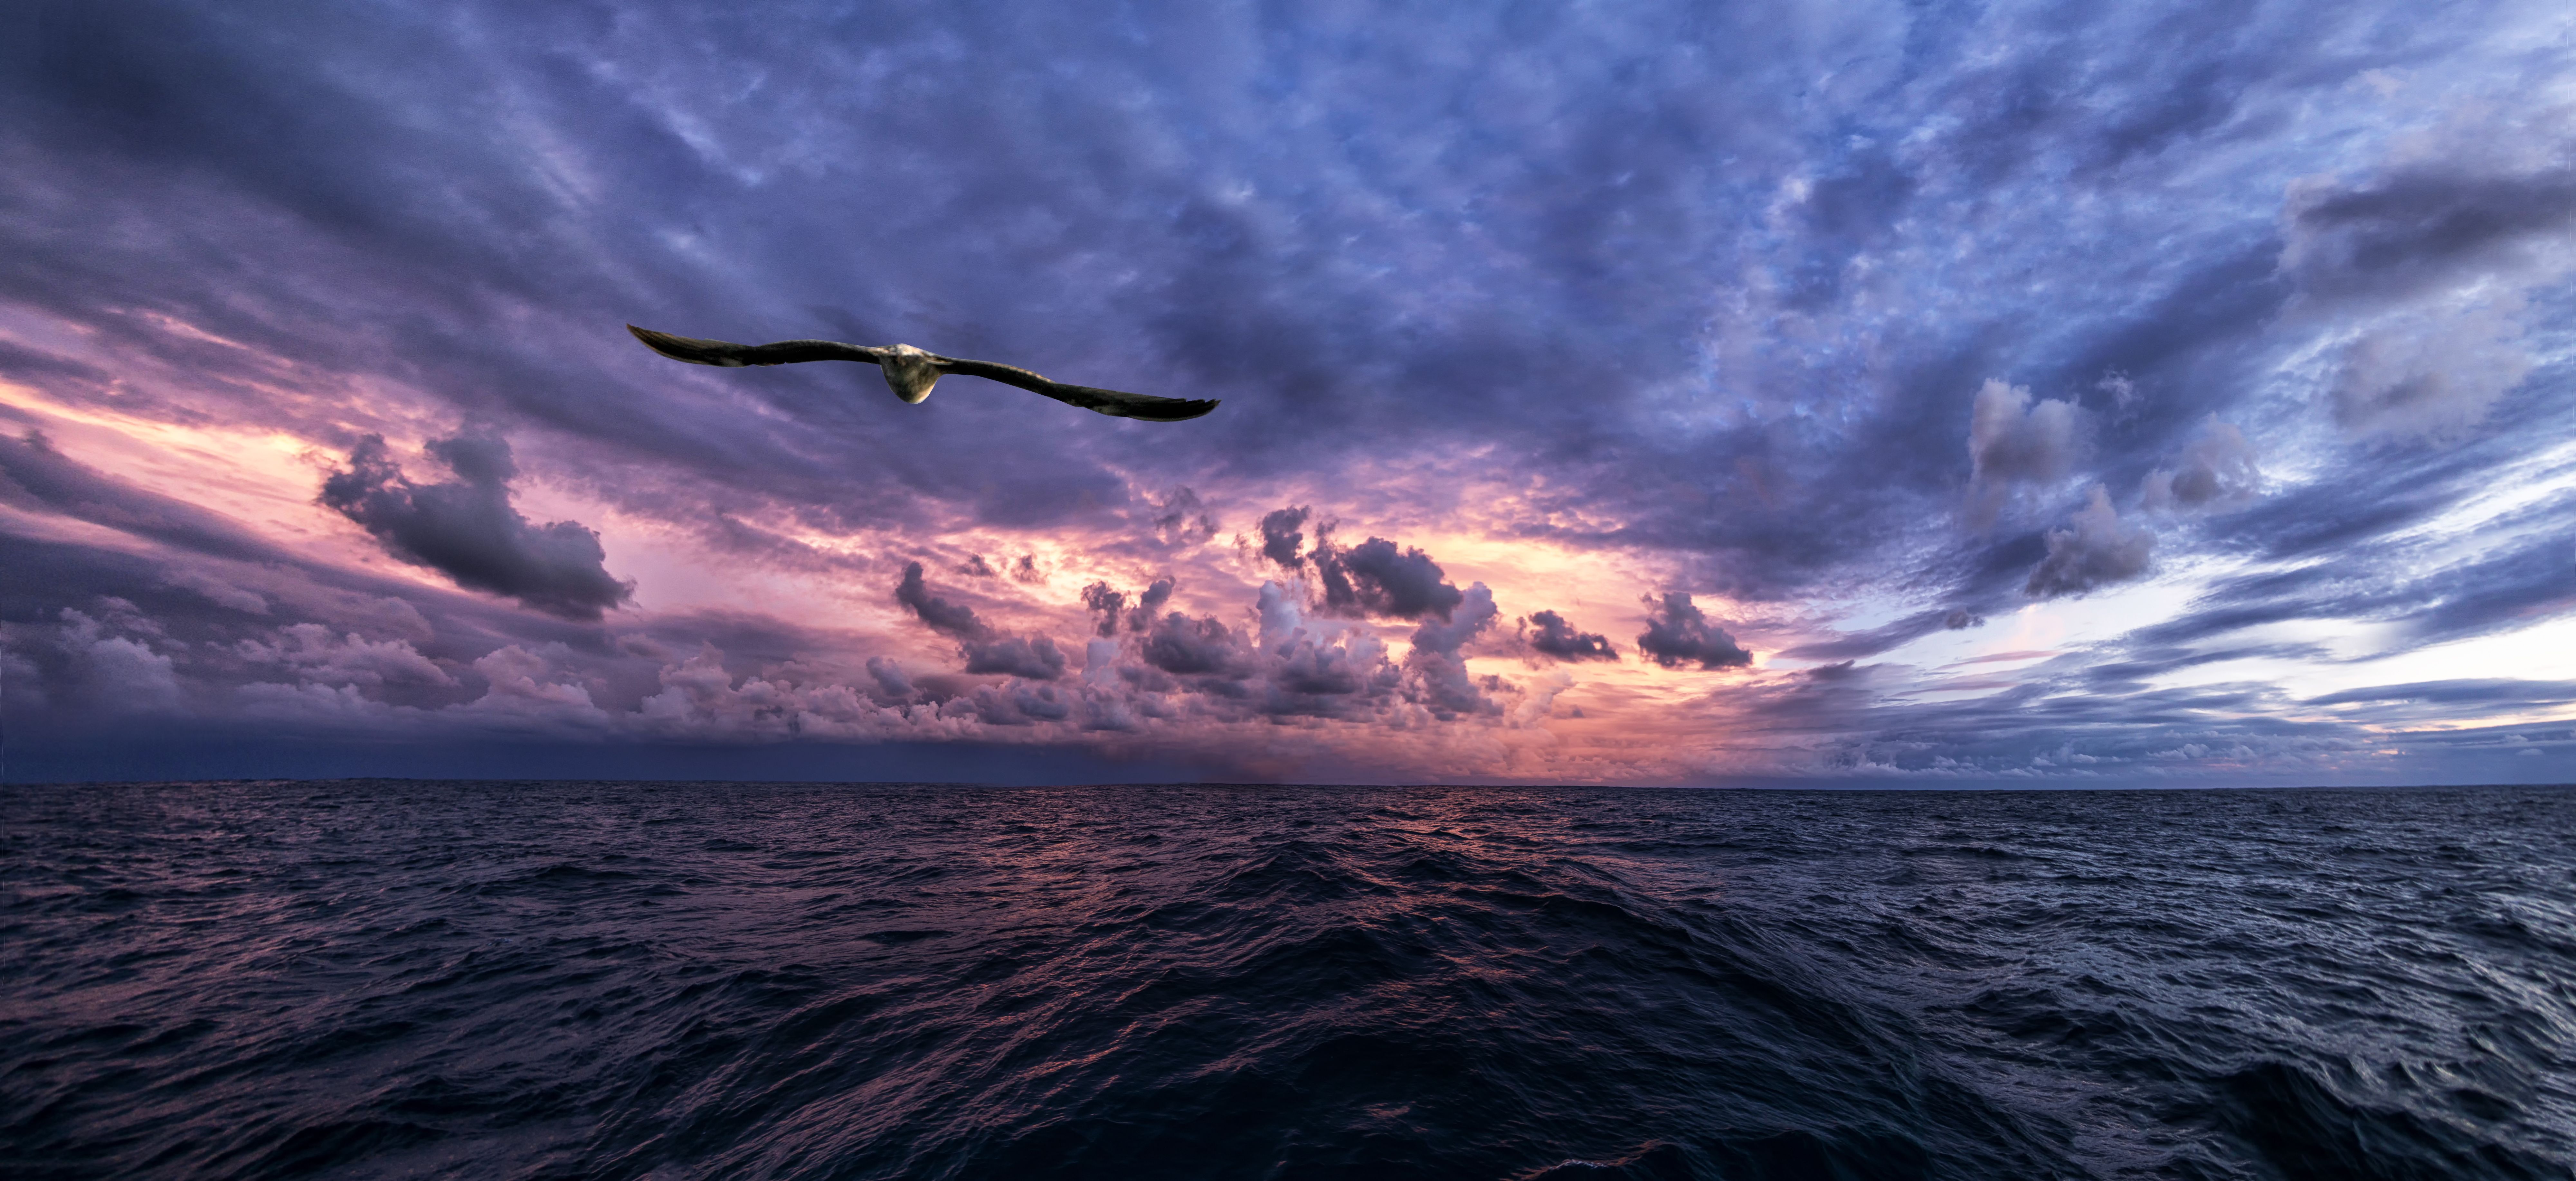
(712,980)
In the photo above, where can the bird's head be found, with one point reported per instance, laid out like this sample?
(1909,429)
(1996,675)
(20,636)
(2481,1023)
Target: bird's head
(908,371)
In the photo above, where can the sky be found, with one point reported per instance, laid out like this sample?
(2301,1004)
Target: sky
(1856,394)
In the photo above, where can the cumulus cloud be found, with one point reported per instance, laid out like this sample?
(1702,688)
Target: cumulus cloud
(1184,646)
(114,664)
(468,531)
(313,653)
(1106,602)
(2216,469)
(890,679)
(1149,601)
(1678,633)
(2095,550)
(985,650)
(1283,537)
(527,685)
(1181,519)
(2013,442)
(1550,635)
(1448,688)
(1375,578)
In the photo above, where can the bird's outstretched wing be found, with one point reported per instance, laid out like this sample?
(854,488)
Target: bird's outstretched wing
(1115,403)
(730,355)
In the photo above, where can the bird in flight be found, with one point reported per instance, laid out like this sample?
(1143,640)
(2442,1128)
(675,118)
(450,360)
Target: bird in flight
(910,372)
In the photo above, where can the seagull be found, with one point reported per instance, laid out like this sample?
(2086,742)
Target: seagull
(910,372)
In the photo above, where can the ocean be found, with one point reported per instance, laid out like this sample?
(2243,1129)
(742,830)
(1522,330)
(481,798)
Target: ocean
(388,979)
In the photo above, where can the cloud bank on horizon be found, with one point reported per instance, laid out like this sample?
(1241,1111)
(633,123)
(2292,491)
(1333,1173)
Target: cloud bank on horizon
(1852,393)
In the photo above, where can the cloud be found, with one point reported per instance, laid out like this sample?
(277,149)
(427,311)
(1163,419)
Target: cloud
(1885,636)
(1101,599)
(985,650)
(1448,687)
(2489,690)
(2431,222)
(1550,635)
(468,531)
(2430,373)
(2095,550)
(1181,519)
(1035,658)
(954,620)
(2432,259)
(2011,441)
(314,654)
(1149,601)
(1374,578)
(118,674)
(34,475)
(890,680)
(1184,646)
(2216,469)
(1713,323)
(1283,538)
(1678,633)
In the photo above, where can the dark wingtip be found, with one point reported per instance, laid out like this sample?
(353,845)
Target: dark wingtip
(1182,410)
(689,349)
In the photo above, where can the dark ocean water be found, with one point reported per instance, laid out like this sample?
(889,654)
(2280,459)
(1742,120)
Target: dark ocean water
(684,981)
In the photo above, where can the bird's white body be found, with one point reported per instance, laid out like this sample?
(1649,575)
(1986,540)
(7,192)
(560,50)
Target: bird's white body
(909,372)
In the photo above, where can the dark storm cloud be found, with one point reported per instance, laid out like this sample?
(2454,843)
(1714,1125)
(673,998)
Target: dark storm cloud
(1678,633)
(1099,598)
(1035,658)
(1376,578)
(985,650)
(467,530)
(1183,646)
(1155,594)
(957,621)
(1283,539)
(1551,635)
